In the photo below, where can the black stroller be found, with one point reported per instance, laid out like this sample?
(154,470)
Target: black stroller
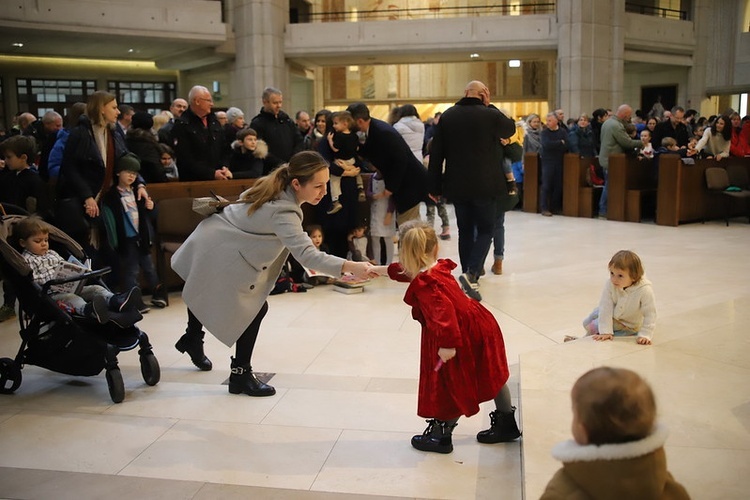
(53,339)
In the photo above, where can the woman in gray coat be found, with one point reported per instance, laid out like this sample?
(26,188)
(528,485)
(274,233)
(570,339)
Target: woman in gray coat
(231,261)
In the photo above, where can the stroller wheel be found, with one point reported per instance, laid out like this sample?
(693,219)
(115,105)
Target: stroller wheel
(116,385)
(150,369)
(10,376)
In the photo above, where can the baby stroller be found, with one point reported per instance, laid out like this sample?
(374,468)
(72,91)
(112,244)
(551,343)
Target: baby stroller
(52,338)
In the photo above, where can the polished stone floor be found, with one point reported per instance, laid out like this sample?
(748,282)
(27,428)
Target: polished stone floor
(346,374)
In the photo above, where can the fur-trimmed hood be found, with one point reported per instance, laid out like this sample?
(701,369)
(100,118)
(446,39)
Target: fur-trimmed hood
(261,148)
(570,451)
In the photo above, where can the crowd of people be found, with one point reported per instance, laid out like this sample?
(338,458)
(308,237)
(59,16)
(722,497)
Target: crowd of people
(91,179)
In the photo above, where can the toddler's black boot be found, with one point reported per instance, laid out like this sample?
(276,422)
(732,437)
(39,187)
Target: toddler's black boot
(437,437)
(193,345)
(97,309)
(126,301)
(243,381)
(503,428)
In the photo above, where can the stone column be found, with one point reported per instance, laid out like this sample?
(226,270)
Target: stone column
(590,55)
(260,63)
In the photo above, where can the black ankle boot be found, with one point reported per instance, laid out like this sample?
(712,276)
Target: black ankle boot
(193,345)
(243,381)
(436,437)
(502,429)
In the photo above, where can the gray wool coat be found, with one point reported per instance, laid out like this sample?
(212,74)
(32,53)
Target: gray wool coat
(231,262)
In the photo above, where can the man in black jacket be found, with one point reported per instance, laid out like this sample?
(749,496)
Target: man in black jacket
(276,127)
(467,139)
(199,140)
(405,177)
(672,127)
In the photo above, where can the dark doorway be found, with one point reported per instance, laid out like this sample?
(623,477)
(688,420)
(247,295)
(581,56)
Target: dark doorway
(664,94)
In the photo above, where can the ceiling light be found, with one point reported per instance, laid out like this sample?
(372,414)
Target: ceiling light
(17,44)
(514,63)
(474,55)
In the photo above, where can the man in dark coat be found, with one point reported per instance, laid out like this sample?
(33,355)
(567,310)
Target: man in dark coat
(276,127)
(672,127)
(199,140)
(405,177)
(467,139)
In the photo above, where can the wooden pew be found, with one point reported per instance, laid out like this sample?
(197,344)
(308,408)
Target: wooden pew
(230,189)
(579,198)
(682,195)
(531,179)
(629,182)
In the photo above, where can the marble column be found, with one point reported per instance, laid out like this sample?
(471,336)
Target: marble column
(590,56)
(260,63)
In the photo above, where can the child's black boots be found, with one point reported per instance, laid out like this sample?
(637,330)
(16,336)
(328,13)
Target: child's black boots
(437,437)
(502,429)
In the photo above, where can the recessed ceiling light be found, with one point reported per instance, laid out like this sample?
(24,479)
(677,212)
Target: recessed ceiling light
(130,51)
(17,44)
(514,63)
(474,55)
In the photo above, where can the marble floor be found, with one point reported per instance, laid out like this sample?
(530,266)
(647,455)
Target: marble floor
(346,374)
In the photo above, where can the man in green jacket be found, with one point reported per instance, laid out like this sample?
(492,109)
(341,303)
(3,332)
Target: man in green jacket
(614,139)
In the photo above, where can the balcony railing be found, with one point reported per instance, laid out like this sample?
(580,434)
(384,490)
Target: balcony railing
(429,13)
(650,10)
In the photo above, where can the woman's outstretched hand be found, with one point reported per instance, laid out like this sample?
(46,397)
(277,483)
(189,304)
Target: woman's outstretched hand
(362,270)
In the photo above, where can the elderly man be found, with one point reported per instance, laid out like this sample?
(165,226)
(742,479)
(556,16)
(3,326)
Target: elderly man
(614,139)
(405,177)
(44,131)
(276,127)
(199,140)
(177,107)
(467,139)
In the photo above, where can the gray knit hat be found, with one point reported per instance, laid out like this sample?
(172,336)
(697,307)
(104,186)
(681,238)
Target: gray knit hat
(129,162)
(233,114)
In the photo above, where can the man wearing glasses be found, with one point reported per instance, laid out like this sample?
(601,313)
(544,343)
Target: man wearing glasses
(199,140)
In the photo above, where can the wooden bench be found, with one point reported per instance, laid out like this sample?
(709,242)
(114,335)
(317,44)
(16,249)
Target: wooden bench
(531,179)
(630,183)
(682,194)
(579,196)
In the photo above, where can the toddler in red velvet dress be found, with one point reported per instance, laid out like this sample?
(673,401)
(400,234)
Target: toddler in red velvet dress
(462,353)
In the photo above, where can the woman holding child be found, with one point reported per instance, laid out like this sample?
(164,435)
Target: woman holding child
(231,261)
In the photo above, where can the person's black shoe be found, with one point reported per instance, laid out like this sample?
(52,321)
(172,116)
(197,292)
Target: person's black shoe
(243,381)
(159,297)
(503,428)
(437,437)
(121,302)
(97,309)
(470,286)
(194,347)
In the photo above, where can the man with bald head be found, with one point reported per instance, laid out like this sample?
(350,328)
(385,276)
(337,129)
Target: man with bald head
(614,139)
(467,139)
(199,140)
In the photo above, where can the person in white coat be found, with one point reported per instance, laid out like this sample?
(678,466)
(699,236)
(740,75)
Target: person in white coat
(231,261)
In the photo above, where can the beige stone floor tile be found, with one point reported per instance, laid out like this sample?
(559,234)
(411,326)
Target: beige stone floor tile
(384,463)
(232,453)
(76,442)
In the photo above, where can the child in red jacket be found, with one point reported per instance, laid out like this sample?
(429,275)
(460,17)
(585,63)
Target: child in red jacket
(462,354)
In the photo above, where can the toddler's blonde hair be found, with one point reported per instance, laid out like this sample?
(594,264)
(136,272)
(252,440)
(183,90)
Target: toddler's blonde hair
(628,261)
(417,243)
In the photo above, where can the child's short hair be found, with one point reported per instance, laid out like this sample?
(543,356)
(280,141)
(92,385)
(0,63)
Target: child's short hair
(343,116)
(165,149)
(28,227)
(628,261)
(668,142)
(417,240)
(614,405)
(20,145)
(244,132)
(311,228)
(647,131)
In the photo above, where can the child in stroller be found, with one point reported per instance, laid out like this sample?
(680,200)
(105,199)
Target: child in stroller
(60,340)
(92,301)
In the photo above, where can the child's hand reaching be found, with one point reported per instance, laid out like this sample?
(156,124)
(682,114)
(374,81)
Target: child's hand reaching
(446,354)
(607,336)
(644,341)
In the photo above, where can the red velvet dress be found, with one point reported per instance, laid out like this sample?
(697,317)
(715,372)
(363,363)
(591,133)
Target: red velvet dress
(450,319)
